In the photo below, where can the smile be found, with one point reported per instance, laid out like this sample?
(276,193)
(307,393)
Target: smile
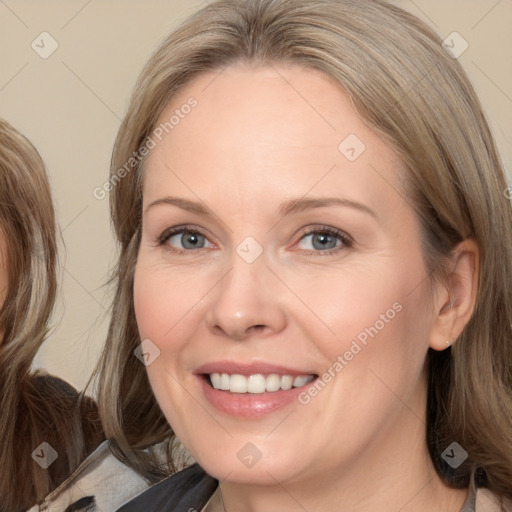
(252,389)
(257,383)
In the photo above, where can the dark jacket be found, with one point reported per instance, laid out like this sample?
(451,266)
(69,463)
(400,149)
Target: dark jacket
(186,491)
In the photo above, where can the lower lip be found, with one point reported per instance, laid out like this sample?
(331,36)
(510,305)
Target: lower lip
(249,405)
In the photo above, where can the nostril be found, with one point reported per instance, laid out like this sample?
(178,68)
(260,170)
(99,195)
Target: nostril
(240,330)
(258,328)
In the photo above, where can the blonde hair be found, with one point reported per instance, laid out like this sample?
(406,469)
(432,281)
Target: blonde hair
(418,98)
(34,408)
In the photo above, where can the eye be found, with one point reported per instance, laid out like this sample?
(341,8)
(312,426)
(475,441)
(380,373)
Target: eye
(324,240)
(185,239)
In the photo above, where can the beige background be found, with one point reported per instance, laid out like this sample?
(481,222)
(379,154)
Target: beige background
(71,104)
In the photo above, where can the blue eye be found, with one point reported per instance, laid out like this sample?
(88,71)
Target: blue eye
(323,240)
(186,240)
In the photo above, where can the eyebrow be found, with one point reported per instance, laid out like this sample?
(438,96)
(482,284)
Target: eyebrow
(287,208)
(184,204)
(305,203)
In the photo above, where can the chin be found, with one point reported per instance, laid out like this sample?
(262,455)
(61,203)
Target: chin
(241,461)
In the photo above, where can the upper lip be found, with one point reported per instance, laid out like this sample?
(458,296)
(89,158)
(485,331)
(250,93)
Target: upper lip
(252,368)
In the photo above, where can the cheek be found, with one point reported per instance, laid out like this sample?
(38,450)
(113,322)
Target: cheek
(345,303)
(161,304)
(148,297)
(169,308)
(163,300)
(373,317)
(376,354)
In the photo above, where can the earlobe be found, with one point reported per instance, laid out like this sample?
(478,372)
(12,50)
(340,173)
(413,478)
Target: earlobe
(455,304)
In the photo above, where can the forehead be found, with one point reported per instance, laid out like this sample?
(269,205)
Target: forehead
(267,128)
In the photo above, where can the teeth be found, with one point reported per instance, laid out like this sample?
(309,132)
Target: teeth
(216,380)
(238,384)
(286,382)
(257,383)
(300,381)
(224,382)
(273,382)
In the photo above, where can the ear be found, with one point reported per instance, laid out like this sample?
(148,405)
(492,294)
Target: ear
(455,300)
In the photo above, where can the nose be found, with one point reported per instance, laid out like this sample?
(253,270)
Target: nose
(246,303)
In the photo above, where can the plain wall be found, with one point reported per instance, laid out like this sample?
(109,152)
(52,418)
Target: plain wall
(71,104)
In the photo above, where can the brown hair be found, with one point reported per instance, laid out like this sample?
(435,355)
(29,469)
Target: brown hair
(35,408)
(418,98)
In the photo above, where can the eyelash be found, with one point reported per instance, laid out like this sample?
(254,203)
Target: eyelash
(164,237)
(346,240)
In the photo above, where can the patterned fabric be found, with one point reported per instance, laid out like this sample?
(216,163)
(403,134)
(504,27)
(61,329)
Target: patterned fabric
(101,484)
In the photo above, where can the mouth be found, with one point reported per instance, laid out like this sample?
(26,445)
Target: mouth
(251,389)
(256,384)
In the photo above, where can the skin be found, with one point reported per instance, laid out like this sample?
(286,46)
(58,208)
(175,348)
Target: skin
(261,136)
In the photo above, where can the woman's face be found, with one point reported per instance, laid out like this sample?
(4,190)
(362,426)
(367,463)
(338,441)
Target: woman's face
(277,250)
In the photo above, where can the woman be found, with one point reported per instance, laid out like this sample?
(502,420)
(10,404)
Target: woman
(316,255)
(46,427)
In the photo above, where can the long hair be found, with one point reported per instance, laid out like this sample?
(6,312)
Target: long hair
(416,97)
(34,408)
